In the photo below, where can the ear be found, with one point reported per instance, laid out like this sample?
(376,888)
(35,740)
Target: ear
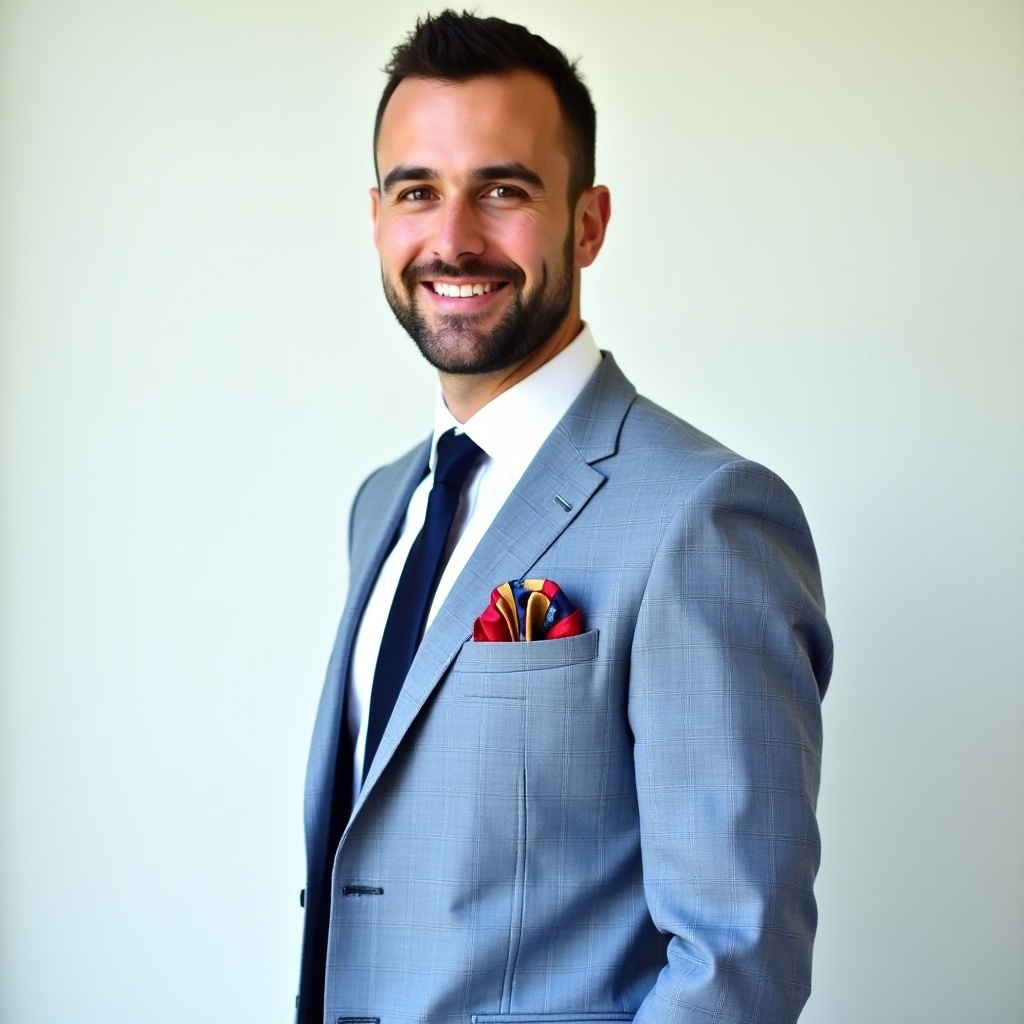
(593,211)
(375,214)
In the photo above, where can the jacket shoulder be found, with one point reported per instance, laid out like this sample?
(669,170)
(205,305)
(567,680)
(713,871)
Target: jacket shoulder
(378,493)
(653,426)
(676,466)
(655,444)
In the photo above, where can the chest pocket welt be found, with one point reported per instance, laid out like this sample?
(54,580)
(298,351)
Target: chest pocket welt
(551,1018)
(523,670)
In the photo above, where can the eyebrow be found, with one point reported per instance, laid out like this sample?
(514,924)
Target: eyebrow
(514,171)
(407,172)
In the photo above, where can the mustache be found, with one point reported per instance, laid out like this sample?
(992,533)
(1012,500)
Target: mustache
(471,267)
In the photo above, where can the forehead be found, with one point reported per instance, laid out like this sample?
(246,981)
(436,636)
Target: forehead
(488,120)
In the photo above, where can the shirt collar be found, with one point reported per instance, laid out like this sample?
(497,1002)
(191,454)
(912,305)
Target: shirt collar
(533,407)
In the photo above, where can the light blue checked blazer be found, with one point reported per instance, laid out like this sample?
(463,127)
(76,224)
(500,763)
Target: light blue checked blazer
(611,827)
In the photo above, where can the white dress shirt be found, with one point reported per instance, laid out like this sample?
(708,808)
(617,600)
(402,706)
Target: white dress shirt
(534,405)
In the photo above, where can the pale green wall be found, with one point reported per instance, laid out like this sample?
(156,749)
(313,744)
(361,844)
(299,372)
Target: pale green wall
(817,254)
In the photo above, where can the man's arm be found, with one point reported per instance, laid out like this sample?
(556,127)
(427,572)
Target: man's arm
(730,658)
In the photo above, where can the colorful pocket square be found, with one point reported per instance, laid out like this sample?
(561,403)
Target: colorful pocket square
(528,610)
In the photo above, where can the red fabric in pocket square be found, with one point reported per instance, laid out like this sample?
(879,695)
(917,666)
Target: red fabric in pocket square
(528,610)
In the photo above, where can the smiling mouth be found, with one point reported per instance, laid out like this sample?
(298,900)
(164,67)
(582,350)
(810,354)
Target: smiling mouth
(451,290)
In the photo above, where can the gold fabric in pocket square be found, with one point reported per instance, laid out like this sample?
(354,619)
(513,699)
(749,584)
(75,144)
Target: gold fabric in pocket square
(528,610)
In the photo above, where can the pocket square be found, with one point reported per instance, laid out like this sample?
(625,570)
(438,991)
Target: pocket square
(528,610)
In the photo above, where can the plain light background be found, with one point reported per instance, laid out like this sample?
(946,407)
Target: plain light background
(816,254)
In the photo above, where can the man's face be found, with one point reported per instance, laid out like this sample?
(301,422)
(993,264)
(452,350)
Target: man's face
(472,219)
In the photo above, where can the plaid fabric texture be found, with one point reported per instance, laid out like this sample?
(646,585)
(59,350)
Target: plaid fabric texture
(610,826)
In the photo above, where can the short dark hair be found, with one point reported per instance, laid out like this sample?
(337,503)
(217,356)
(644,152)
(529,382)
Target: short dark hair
(456,47)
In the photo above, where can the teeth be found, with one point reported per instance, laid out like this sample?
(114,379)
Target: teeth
(461,291)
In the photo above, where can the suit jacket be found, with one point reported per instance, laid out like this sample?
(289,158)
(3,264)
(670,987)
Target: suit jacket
(610,827)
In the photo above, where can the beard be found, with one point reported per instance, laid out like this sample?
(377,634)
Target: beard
(457,343)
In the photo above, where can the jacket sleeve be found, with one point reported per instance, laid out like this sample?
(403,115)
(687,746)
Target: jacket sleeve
(730,659)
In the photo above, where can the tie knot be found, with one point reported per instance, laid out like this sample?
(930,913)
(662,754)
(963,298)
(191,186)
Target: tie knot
(456,454)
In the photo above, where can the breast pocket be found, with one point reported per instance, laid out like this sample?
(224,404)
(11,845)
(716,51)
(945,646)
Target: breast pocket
(525,671)
(551,1018)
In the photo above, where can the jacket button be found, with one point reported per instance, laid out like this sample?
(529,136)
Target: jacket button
(302,898)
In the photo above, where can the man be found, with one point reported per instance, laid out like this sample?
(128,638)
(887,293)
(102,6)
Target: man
(616,823)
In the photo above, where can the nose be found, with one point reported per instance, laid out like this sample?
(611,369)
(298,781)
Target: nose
(458,231)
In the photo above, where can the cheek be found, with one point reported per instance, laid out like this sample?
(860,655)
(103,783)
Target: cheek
(400,242)
(531,244)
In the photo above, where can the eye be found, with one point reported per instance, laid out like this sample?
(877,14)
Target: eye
(418,194)
(505,192)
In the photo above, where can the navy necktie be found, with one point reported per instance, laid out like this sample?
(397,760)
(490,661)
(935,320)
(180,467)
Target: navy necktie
(456,455)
